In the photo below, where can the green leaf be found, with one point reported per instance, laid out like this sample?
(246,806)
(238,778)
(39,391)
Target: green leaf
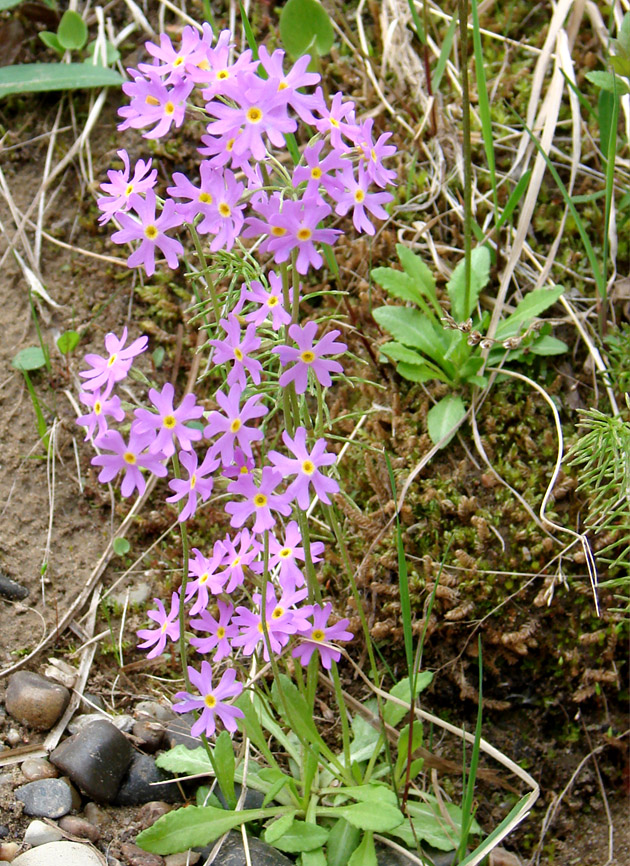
(342,841)
(31,358)
(444,417)
(456,286)
(394,713)
(302,836)
(304,25)
(193,825)
(313,858)
(365,854)
(190,762)
(68,342)
(623,37)
(608,81)
(121,546)
(51,40)
(416,373)
(418,271)
(412,328)
(526,310)
(374,791)
(397,284)
(279,827)
(366,737)
(224,765)
(403,747)
(37,77)
(300,716)
(72,31)
(621,65)
(250,725)
(398,352)
(8,4)
(204,797)
(430,826)
(370,815)
(547,345)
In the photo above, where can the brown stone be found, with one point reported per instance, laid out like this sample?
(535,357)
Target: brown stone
(35,701)
(135,856)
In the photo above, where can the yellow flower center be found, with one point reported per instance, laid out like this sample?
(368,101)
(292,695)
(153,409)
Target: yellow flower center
(260,627)
(316,173)
(151,232)
(151,100)
(170,421)
(204,578)
(178,62)
(203,65)
(317,634)
(286,552)
(169,108)
(225,210)
(273,301)
(359,195)
(277,612)
(260,500)
(254,115)
(334,122)
(229,145)
(112,360)
(210,701)
(308,467)
(164,627)
(220,632)
(283,85)
(129,458)
(236,562)
(235,426)
(205,198)
(129,190)
(373,155)
(222,75)
(307,356)
(278,231)
(193,481)
(98,408)
(244,470)
(304,234)
(238,354)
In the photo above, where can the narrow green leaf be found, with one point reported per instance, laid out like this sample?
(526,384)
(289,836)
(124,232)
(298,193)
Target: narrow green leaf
(249,33)
(530,307)
(445,417)
(224,765)
(515,196)
(251,726)
(403,747)
(31,358)
(38,77)
(72,31)
(365,854)
(301,718)
(373,791)
(279,827)
(304,25)
(301,836)
(193,825)
(605,117)
(484,105)
(456,286)
(342,841)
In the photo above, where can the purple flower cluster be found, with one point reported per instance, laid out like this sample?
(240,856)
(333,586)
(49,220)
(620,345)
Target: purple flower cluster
(239,192)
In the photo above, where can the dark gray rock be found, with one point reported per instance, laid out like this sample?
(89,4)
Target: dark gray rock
(253,799)
(35,701)
(11,588)
(136,787)
(154,710)
(4,831)
(46,798)
(178,732)
(95,759)
(233,854)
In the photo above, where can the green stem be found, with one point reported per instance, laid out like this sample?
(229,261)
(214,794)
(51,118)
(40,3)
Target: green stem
(464,54)
(206,271)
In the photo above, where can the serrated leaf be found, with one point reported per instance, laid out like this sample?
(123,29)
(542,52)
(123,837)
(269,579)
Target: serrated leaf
(39,77)
(397,284)
(304,25)
(68,341)
(279,827)
(527,310)
(412,328)
(342,841)
(31,358)
(608,81)
(365,853)
(444,417)
(72,31)
(479,277)
(302,836)
(190,762)
(394,713)
(371,815)
(193,825)
(418,271)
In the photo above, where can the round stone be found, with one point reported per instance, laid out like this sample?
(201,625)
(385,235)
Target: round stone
(46,798)
(38,768)
(38,833)
(80,827)
(60,854)
(35,701)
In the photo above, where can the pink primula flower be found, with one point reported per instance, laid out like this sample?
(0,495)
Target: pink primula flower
(211,701)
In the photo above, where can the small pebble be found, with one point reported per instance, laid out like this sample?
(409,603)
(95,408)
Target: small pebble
(95,815)
(77,801)
(34,700)
(79,722)
(38,768)
(4,831)
(150,812)
(8,851)
(95,759)
(13,737)
(137,857)
(178,732)
(38,833)
(46,798)
(91,703)
(149,733)
(11,588)
(154,710)
(80,827)
(60,854)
